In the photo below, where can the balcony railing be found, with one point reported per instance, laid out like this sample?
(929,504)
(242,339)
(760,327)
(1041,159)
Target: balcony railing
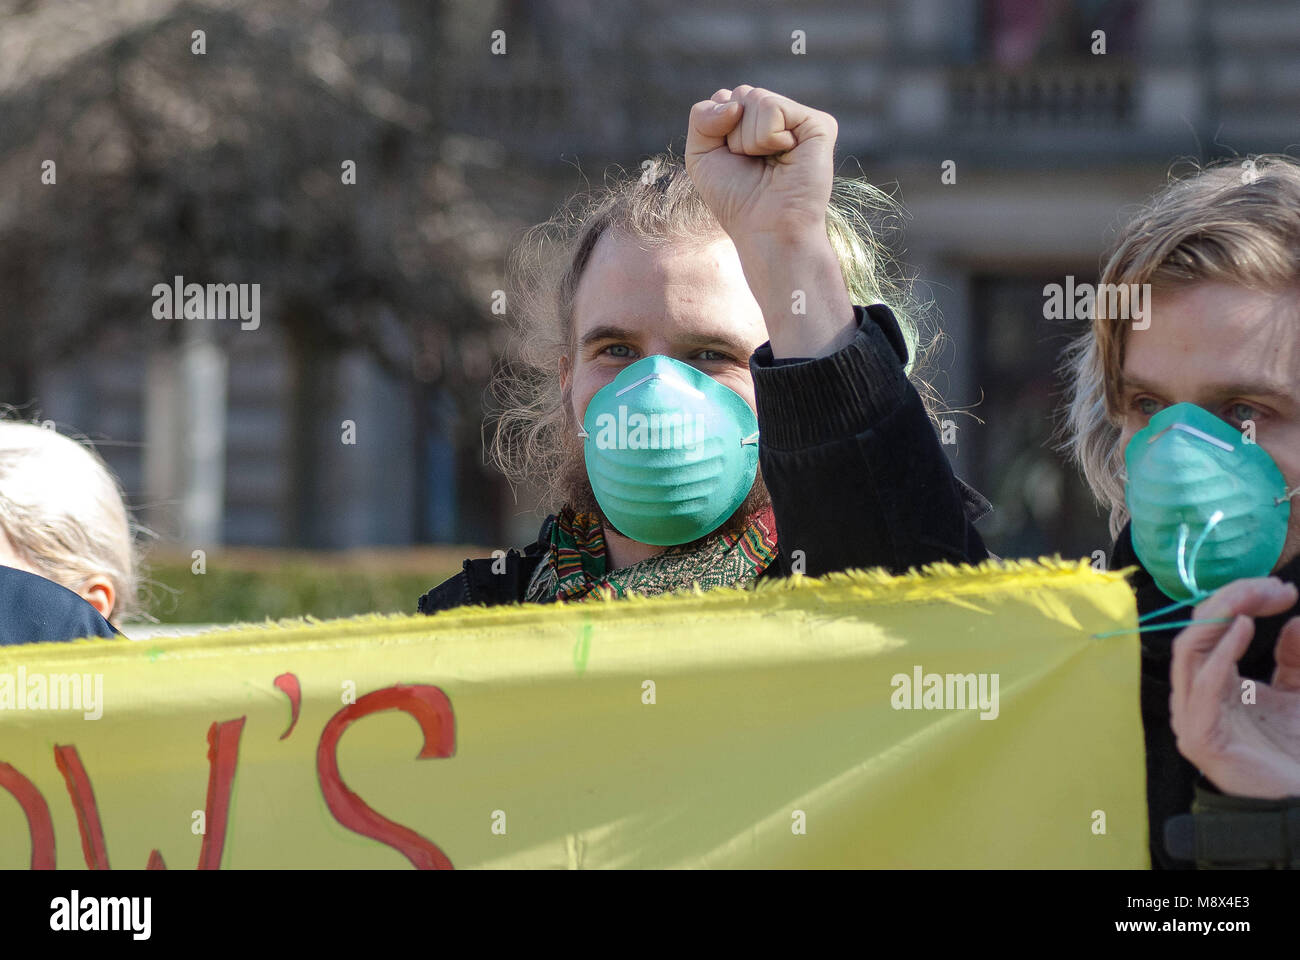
(1042,97)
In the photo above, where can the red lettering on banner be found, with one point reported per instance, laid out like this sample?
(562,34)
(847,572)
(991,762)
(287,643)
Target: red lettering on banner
(426,704)
(431,709)
(288,683)
(223,755)
(39,824)
(83,804)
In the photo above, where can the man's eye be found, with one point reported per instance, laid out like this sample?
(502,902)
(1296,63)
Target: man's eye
(619,350)
(712,356)
(1239,413)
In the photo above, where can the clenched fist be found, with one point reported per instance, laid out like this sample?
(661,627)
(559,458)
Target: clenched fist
(762,163)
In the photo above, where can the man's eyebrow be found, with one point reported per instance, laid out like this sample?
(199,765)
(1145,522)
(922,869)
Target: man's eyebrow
(718,338)
(707,338)
(606,331)
(1257,388)
(1138,385)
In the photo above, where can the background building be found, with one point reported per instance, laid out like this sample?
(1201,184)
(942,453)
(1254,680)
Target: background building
(227,166)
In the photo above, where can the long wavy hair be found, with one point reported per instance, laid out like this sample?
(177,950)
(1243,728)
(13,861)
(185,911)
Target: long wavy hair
(659,206)
(1234,222)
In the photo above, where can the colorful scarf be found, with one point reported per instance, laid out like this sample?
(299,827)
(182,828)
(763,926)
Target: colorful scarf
(575,565)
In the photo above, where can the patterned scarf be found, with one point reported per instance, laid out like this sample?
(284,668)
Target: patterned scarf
(575,565)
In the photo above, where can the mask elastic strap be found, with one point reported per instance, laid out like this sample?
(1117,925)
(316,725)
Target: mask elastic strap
(1179,624)
(1188,577)
(1144,623)
(583,434)
(1173,606)
(1187,573)
(1182,556)
(752,438)
(1286,495)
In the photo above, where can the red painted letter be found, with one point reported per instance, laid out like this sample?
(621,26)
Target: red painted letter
(432,711)
(39,824)
(223,754)
(83,803)
(288,683)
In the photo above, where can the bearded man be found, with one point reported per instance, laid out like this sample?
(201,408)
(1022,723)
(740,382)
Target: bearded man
(716,391)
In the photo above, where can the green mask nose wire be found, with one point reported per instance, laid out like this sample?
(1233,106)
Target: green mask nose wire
(1187,574)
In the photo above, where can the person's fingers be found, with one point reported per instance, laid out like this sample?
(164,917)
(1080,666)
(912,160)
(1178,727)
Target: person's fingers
(774,119)
(767,127)
(750,134)
(711,121)
(1221,665)
(1259,596)
(1255,597)
(1198,687)
(1287,654)
(749,123)
(735,139)
(766,124)
(1193,644)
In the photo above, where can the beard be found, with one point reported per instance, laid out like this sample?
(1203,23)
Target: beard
(576,489)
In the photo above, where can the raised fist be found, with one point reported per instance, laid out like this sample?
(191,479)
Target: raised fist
(763,164)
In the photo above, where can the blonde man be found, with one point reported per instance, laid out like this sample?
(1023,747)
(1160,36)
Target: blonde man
(1186,422)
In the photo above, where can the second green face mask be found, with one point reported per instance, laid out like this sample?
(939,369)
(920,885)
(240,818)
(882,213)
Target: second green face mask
(1207,507)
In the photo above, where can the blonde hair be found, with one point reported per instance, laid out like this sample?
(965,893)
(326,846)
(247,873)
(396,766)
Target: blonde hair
(661,206)
(1236,222)
(64,513)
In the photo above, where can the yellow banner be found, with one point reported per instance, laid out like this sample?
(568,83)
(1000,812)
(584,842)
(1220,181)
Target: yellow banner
(955,718)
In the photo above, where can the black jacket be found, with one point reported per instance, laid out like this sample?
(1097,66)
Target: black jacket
(36,610)
(1171,779)
(1237,833)
(852,462)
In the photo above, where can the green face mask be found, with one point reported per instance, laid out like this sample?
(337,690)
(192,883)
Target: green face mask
(670,452)
(1207,507)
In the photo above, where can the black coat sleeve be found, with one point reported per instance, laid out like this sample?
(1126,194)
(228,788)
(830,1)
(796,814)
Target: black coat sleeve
(36,610)
(853,464)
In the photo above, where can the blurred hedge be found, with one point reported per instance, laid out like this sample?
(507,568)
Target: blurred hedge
(252,585)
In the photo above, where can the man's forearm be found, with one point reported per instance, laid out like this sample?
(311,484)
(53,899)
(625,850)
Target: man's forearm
(804,275)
